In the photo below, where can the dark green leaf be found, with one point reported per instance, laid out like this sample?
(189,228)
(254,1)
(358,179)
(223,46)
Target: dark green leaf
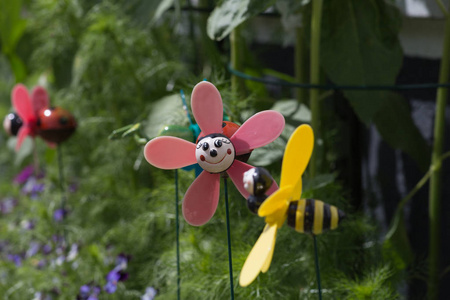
(17,66)
(231,13)
(360,46)
(12,26)
(395,124)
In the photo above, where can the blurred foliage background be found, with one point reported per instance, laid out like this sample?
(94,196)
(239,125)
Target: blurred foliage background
(114,63)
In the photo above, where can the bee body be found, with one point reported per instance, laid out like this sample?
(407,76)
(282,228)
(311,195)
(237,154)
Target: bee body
(313,216)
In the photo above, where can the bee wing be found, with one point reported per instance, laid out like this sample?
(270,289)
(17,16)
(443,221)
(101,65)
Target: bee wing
(259,130)
(266,265)
(276,201)
(260,256)
(168,152)
(296,156)
(22,103)
(39,99)
(207,107)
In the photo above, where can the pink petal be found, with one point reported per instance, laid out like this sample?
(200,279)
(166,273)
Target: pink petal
(39,99)
(21,135)
(168,152)
(22,103)
(207,107)
(261,129)
(201,199)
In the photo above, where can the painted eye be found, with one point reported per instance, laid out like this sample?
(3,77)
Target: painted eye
(205,146)
(218,143)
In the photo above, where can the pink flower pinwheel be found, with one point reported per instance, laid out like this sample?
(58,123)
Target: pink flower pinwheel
(28,108)
(214,152)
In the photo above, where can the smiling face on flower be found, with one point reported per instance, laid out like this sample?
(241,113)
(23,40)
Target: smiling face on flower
(215,153)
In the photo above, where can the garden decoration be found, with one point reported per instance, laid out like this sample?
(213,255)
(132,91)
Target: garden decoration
(53,124)
(304,215)
(215,152)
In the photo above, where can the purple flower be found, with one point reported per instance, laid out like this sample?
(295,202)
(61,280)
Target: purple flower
(88,292)
(150,294)
(60,214)
(24,175)
(15,258)
(7,205)
(33,250)
(41,264)
(122,261)
(33,188)
(113,278)
(28,224)
(110,287)
(46,249)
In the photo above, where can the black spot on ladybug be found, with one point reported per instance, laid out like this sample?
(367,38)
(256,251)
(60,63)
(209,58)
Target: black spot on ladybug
(223,124)
(63,120)
(52,108)
(38,123)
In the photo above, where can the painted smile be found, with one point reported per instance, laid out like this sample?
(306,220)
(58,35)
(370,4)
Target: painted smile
(216,162)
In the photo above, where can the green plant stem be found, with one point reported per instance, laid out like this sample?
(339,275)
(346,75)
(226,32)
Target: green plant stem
(316,21)
(436,170)
(301,71)
(236,44)
(442,7)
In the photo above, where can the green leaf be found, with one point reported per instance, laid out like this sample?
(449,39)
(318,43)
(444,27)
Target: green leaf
(166,111)
(360,46)
(294,114)
(17,66)
(395,124)
(12,26)
(231,13)
(162,8)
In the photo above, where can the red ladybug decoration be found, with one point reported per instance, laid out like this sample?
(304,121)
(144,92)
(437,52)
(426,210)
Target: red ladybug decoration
(55,125)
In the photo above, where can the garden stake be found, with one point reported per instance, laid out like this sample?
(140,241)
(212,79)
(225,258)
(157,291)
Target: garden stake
(35,159)
(230,260)
(177,224)
(316,260)
(62,187)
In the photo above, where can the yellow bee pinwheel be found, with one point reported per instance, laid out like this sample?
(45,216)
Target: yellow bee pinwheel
(304,215)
